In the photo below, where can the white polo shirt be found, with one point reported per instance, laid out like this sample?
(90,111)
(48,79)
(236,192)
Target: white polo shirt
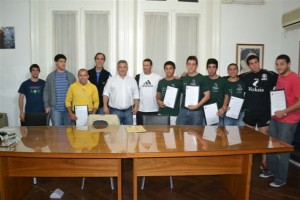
(148,86)
(121,92)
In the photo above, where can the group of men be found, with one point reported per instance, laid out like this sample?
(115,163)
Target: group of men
(126,96)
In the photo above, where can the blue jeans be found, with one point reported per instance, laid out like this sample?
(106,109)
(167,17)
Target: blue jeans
(234,122)
(125,116)
(100,111)
(190,117)
(59,118)
(278,163)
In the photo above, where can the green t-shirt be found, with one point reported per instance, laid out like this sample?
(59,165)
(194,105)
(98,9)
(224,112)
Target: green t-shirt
(236,89)
(198,80)
(218,90)
(162,88)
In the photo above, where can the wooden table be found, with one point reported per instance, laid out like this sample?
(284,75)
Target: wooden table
(198,150)
(161,151)
(60,152)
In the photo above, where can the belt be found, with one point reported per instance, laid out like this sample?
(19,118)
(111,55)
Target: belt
(122,110)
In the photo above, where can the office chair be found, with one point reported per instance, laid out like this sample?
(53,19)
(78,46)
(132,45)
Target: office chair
(102,120)
(156,120)
(36,119)
(3,120)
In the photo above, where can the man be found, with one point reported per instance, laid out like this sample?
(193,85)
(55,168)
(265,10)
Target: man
(99,76)
(236,88)
(121,95)
(193,114)
(82,92)
(32,89)
(284,123)
(258,82)
(147,83)
(57,84)
(218,89)
(170,81)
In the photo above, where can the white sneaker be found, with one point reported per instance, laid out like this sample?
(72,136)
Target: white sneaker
(277,184)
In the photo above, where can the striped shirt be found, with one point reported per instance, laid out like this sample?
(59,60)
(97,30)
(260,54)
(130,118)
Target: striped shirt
(61,88)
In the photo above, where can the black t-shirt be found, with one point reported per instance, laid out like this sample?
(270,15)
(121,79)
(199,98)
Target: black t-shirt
(258,86)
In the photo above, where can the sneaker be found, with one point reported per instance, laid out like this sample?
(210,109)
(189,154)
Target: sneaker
(277,184)
(266,175)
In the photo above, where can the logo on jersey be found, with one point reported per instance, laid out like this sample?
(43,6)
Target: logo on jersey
(147,84)
(231,92)
(193,82)
(264,77)
(172,85)
(239,89)
(215,88)
(255,89)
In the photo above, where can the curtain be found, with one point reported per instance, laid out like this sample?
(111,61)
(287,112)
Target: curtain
(96,36)
(65,37)
(156,39)
(186,39)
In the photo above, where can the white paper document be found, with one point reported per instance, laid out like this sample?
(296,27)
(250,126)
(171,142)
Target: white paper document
(81,113)
(170,96)
(278,101)
(235,106)
(191,95)
(210,112)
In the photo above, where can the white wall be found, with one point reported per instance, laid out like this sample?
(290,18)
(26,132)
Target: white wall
(239,24)
(290,39)
(14,63)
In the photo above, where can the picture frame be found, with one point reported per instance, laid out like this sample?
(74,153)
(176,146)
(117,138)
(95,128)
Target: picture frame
(245,50)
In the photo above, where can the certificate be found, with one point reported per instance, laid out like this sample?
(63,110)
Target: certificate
(235,106)
(81,113)
(278,101)
(191,95)
(210,112)
(170,96)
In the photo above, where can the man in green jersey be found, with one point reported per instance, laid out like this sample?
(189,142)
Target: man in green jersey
(191,112)
(168,81)
(236,88)
(218,89)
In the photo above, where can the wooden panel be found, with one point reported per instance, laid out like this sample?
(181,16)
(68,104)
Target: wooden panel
(12,188)
(189,166)
(239,185)
(41,167)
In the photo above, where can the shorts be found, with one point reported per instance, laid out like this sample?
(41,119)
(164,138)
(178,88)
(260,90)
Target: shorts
(259,119)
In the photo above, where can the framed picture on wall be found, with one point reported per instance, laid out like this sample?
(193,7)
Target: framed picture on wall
(245,50)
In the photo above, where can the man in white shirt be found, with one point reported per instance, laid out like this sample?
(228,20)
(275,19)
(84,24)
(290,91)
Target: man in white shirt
(121,95)
(147,83)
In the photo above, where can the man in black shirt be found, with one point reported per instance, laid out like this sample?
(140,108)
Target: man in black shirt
(257,103)
(99,76)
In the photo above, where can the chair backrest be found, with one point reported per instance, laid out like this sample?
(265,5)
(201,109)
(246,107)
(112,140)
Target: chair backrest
(156,120)
(3,120)
(37,119)
(110,119)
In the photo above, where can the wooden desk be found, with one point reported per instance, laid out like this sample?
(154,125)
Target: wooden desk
(197,150)
(161,151)
(60,152)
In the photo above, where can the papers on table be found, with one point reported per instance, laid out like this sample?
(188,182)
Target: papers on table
(235,106)
(81,113)
(210,112)
(170,96)
(191,95)
(135,129)
(278,101)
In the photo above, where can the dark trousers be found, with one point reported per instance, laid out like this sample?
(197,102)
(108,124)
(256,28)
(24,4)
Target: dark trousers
(139,116)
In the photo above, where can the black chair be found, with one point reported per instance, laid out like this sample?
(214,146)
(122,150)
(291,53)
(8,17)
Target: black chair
(36,119)
(156,120)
